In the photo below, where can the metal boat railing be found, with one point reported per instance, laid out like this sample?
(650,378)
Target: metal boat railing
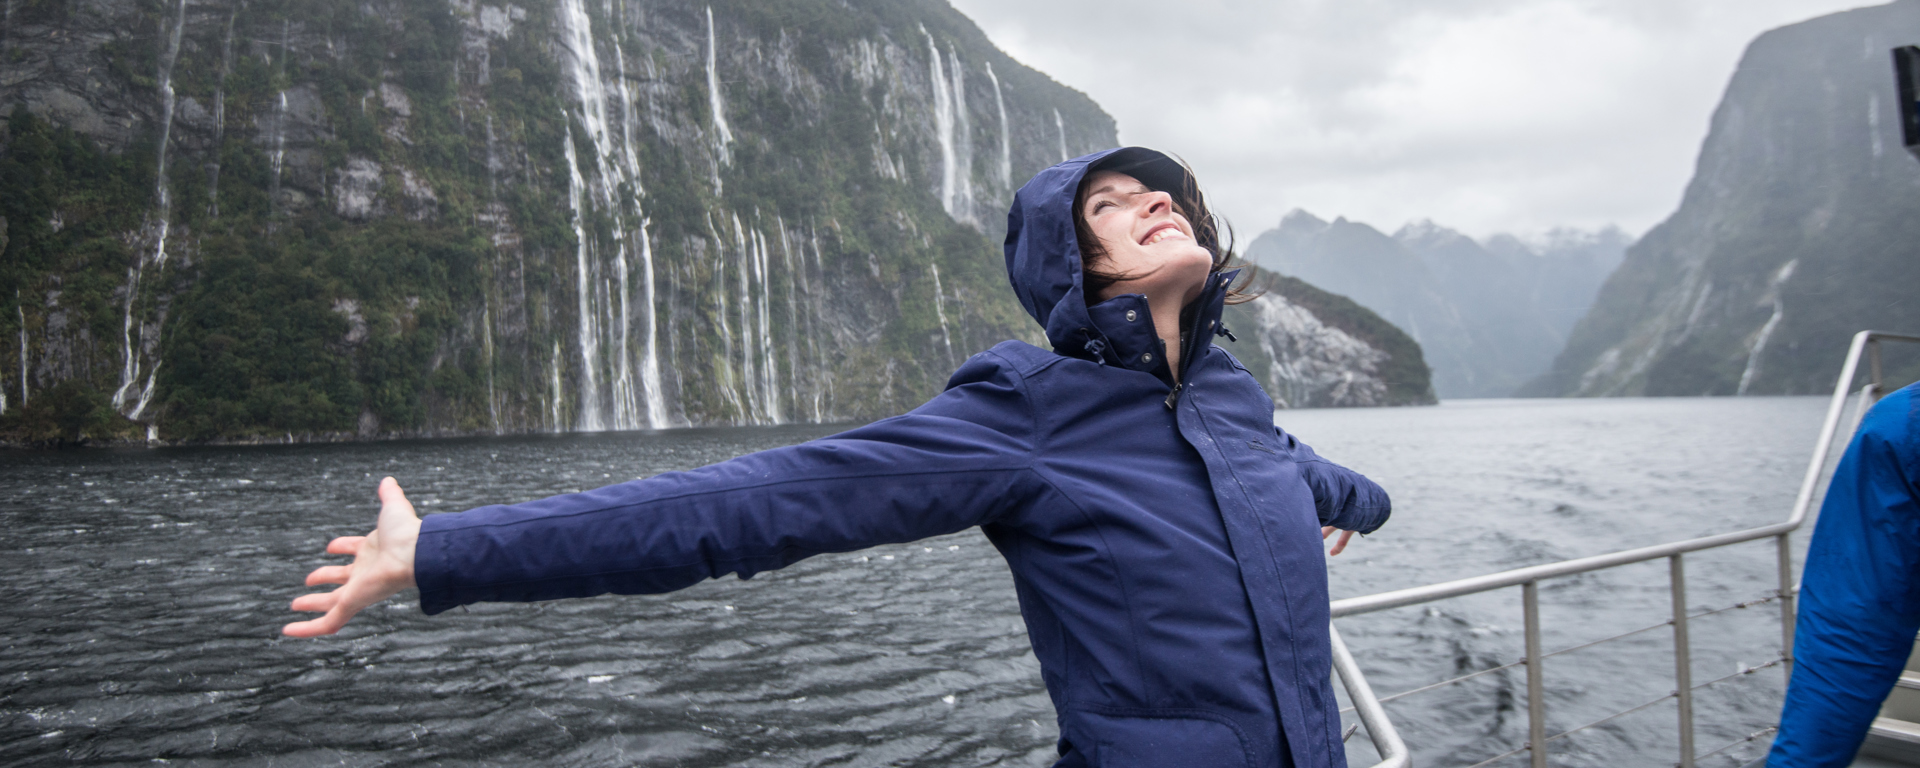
(1393,750)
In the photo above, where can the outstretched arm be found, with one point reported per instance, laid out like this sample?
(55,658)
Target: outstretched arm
(960,460)
(1346,500)
(382,566)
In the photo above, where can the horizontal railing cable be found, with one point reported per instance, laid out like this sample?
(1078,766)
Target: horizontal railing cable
(1623,713)
(1777,660)
(1582,646)
(1750,737)
(1610,718)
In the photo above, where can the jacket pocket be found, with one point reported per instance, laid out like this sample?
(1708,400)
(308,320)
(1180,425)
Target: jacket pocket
(1163,738)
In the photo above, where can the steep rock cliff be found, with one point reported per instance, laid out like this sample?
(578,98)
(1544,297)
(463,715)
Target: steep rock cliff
(1800,227)
(1314,349)
(234,220)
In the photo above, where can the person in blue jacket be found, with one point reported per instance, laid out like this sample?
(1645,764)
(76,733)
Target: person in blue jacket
(1160,529)
(1859,593)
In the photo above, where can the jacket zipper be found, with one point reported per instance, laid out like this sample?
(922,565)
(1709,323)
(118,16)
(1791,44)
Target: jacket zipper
(1174,396)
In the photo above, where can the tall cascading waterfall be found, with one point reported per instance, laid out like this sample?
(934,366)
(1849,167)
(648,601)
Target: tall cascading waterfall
(722,135)
(758,382)
(1006,137)
(162,220)
(587,331)
(949,118)
(606,302)
(771,390)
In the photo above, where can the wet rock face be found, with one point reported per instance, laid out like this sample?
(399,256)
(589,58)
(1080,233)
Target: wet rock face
(1311,364)
(431,218)
(1314,349)
(1796,231)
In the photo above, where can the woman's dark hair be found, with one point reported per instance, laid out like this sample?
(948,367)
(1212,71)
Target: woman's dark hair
(1187,201)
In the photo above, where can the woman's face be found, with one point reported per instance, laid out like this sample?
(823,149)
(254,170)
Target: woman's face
(1145,239)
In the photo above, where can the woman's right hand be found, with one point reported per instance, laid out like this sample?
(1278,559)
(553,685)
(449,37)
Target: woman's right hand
(382,566)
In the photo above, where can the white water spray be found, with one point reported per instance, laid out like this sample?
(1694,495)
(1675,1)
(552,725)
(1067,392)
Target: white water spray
(1006,137)
(1061,126)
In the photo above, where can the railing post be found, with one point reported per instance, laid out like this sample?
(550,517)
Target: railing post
(1536,685)
(1787,614)
(1682,660)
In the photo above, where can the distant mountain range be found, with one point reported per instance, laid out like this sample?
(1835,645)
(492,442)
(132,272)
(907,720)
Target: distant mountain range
(1800,227)
(1489,315)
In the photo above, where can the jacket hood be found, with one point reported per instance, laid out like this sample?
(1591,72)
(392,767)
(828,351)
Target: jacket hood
(1043,264)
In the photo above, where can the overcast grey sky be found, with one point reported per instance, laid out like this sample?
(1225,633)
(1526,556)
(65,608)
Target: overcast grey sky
(1483,115)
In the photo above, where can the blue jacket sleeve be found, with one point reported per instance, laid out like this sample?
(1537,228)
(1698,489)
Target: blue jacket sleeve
(1345,499)
(960,460)
(1860,592)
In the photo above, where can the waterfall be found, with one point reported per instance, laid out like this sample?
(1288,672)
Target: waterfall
(650,356)
(588,330)
(607,308)
(940,310)
(1061,127)
(553,389)
(220,118)
(1006,137)
(963,140)
(824,383)
(769,371)
(793,312)
(650,391)
(722,135)
(486,348)
(162,218)
(943,128)
(279,133)
(728,389)
(1766,331)
(278,156)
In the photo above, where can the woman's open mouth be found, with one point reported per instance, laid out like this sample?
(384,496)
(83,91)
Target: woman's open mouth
(1165,231)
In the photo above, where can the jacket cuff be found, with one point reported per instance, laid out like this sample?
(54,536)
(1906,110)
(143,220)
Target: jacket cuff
(432,571)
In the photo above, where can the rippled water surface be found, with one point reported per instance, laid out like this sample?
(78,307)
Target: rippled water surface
(143,590)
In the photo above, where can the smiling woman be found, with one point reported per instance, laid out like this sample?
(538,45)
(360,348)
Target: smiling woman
(1159,528)
(1157,242)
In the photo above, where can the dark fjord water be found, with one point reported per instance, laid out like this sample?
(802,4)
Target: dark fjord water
(142,592)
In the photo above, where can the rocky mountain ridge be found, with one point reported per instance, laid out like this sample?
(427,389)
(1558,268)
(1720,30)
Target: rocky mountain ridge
(1797,230)
(1488,315)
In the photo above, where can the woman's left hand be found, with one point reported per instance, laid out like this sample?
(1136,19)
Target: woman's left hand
(1338,546)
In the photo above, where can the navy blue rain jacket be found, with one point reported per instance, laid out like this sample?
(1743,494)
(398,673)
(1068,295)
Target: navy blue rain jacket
(1860,593)
(1164,545)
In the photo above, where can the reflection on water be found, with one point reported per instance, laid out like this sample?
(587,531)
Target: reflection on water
(143,592)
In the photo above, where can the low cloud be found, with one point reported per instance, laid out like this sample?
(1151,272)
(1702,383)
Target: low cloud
(1483,115)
